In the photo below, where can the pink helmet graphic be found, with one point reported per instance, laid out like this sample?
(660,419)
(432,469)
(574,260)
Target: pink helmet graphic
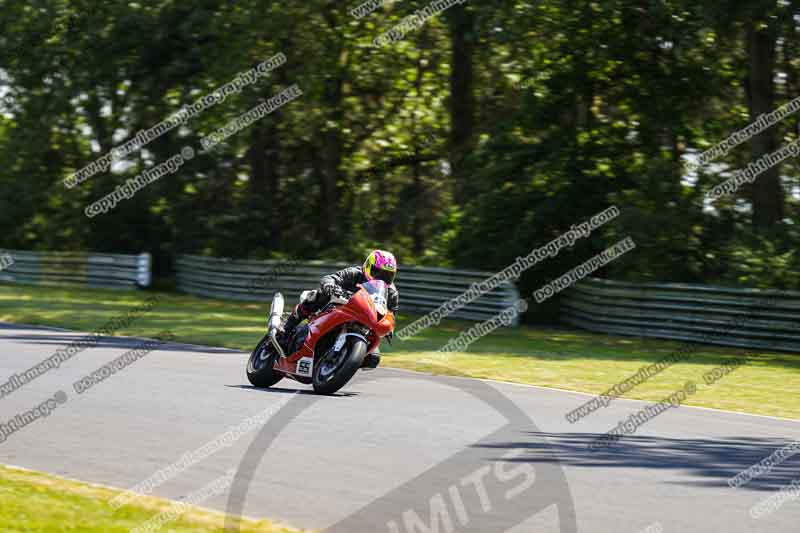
(380,265)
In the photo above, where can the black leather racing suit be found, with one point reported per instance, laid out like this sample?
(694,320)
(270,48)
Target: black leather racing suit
(347,279)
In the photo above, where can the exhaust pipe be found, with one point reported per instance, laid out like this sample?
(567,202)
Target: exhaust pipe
(275,311)
(274,322)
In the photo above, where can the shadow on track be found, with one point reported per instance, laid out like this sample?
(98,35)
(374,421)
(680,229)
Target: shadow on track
(58,340)
(280,390)
(712,462)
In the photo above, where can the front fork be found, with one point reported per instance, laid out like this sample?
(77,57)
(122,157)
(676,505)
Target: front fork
(373,357)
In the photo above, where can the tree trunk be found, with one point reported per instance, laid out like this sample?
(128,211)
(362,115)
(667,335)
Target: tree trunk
(462,98)
(264,185)
(331,152)
(332,148)
(418,186)
(767,193)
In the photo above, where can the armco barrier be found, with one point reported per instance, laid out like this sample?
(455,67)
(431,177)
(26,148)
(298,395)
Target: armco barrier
(78,268)
(421,289)
(748,318)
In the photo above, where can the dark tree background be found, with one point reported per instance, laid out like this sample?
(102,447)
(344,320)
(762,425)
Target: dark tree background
(488,131)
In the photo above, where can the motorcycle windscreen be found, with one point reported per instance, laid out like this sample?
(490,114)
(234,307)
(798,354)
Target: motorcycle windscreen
(378,292)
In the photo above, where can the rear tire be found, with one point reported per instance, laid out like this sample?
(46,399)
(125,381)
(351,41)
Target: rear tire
(260,365)
(327,383)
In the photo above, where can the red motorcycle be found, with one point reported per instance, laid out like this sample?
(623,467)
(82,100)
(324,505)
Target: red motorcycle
(328,350)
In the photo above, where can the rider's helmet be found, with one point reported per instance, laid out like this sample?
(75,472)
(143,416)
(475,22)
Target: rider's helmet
(380,265)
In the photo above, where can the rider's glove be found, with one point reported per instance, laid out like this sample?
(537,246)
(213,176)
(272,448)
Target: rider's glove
(337,291)
(328,290)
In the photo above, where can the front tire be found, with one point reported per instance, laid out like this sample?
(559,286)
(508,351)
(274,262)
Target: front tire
(331,374)
(260,365)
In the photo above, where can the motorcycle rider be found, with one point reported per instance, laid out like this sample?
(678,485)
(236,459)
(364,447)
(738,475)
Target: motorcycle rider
(379,265)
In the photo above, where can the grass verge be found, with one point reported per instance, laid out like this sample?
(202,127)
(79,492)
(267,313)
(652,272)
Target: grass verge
(769,384)
(33,502)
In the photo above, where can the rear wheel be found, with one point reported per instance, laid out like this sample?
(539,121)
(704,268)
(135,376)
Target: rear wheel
(334,369)
(259,366)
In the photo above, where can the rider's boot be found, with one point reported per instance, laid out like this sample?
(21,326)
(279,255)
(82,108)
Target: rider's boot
(289,327)
(371,360)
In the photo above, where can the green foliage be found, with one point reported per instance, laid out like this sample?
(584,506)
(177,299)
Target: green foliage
(572,107)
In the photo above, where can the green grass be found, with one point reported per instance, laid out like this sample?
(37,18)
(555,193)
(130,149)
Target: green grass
(574,360)
(33,502)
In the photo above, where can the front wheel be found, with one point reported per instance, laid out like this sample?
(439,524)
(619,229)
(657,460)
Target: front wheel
(259,366)
(334,369)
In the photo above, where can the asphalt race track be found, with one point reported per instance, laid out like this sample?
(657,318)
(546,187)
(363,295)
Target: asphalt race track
(395,451)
